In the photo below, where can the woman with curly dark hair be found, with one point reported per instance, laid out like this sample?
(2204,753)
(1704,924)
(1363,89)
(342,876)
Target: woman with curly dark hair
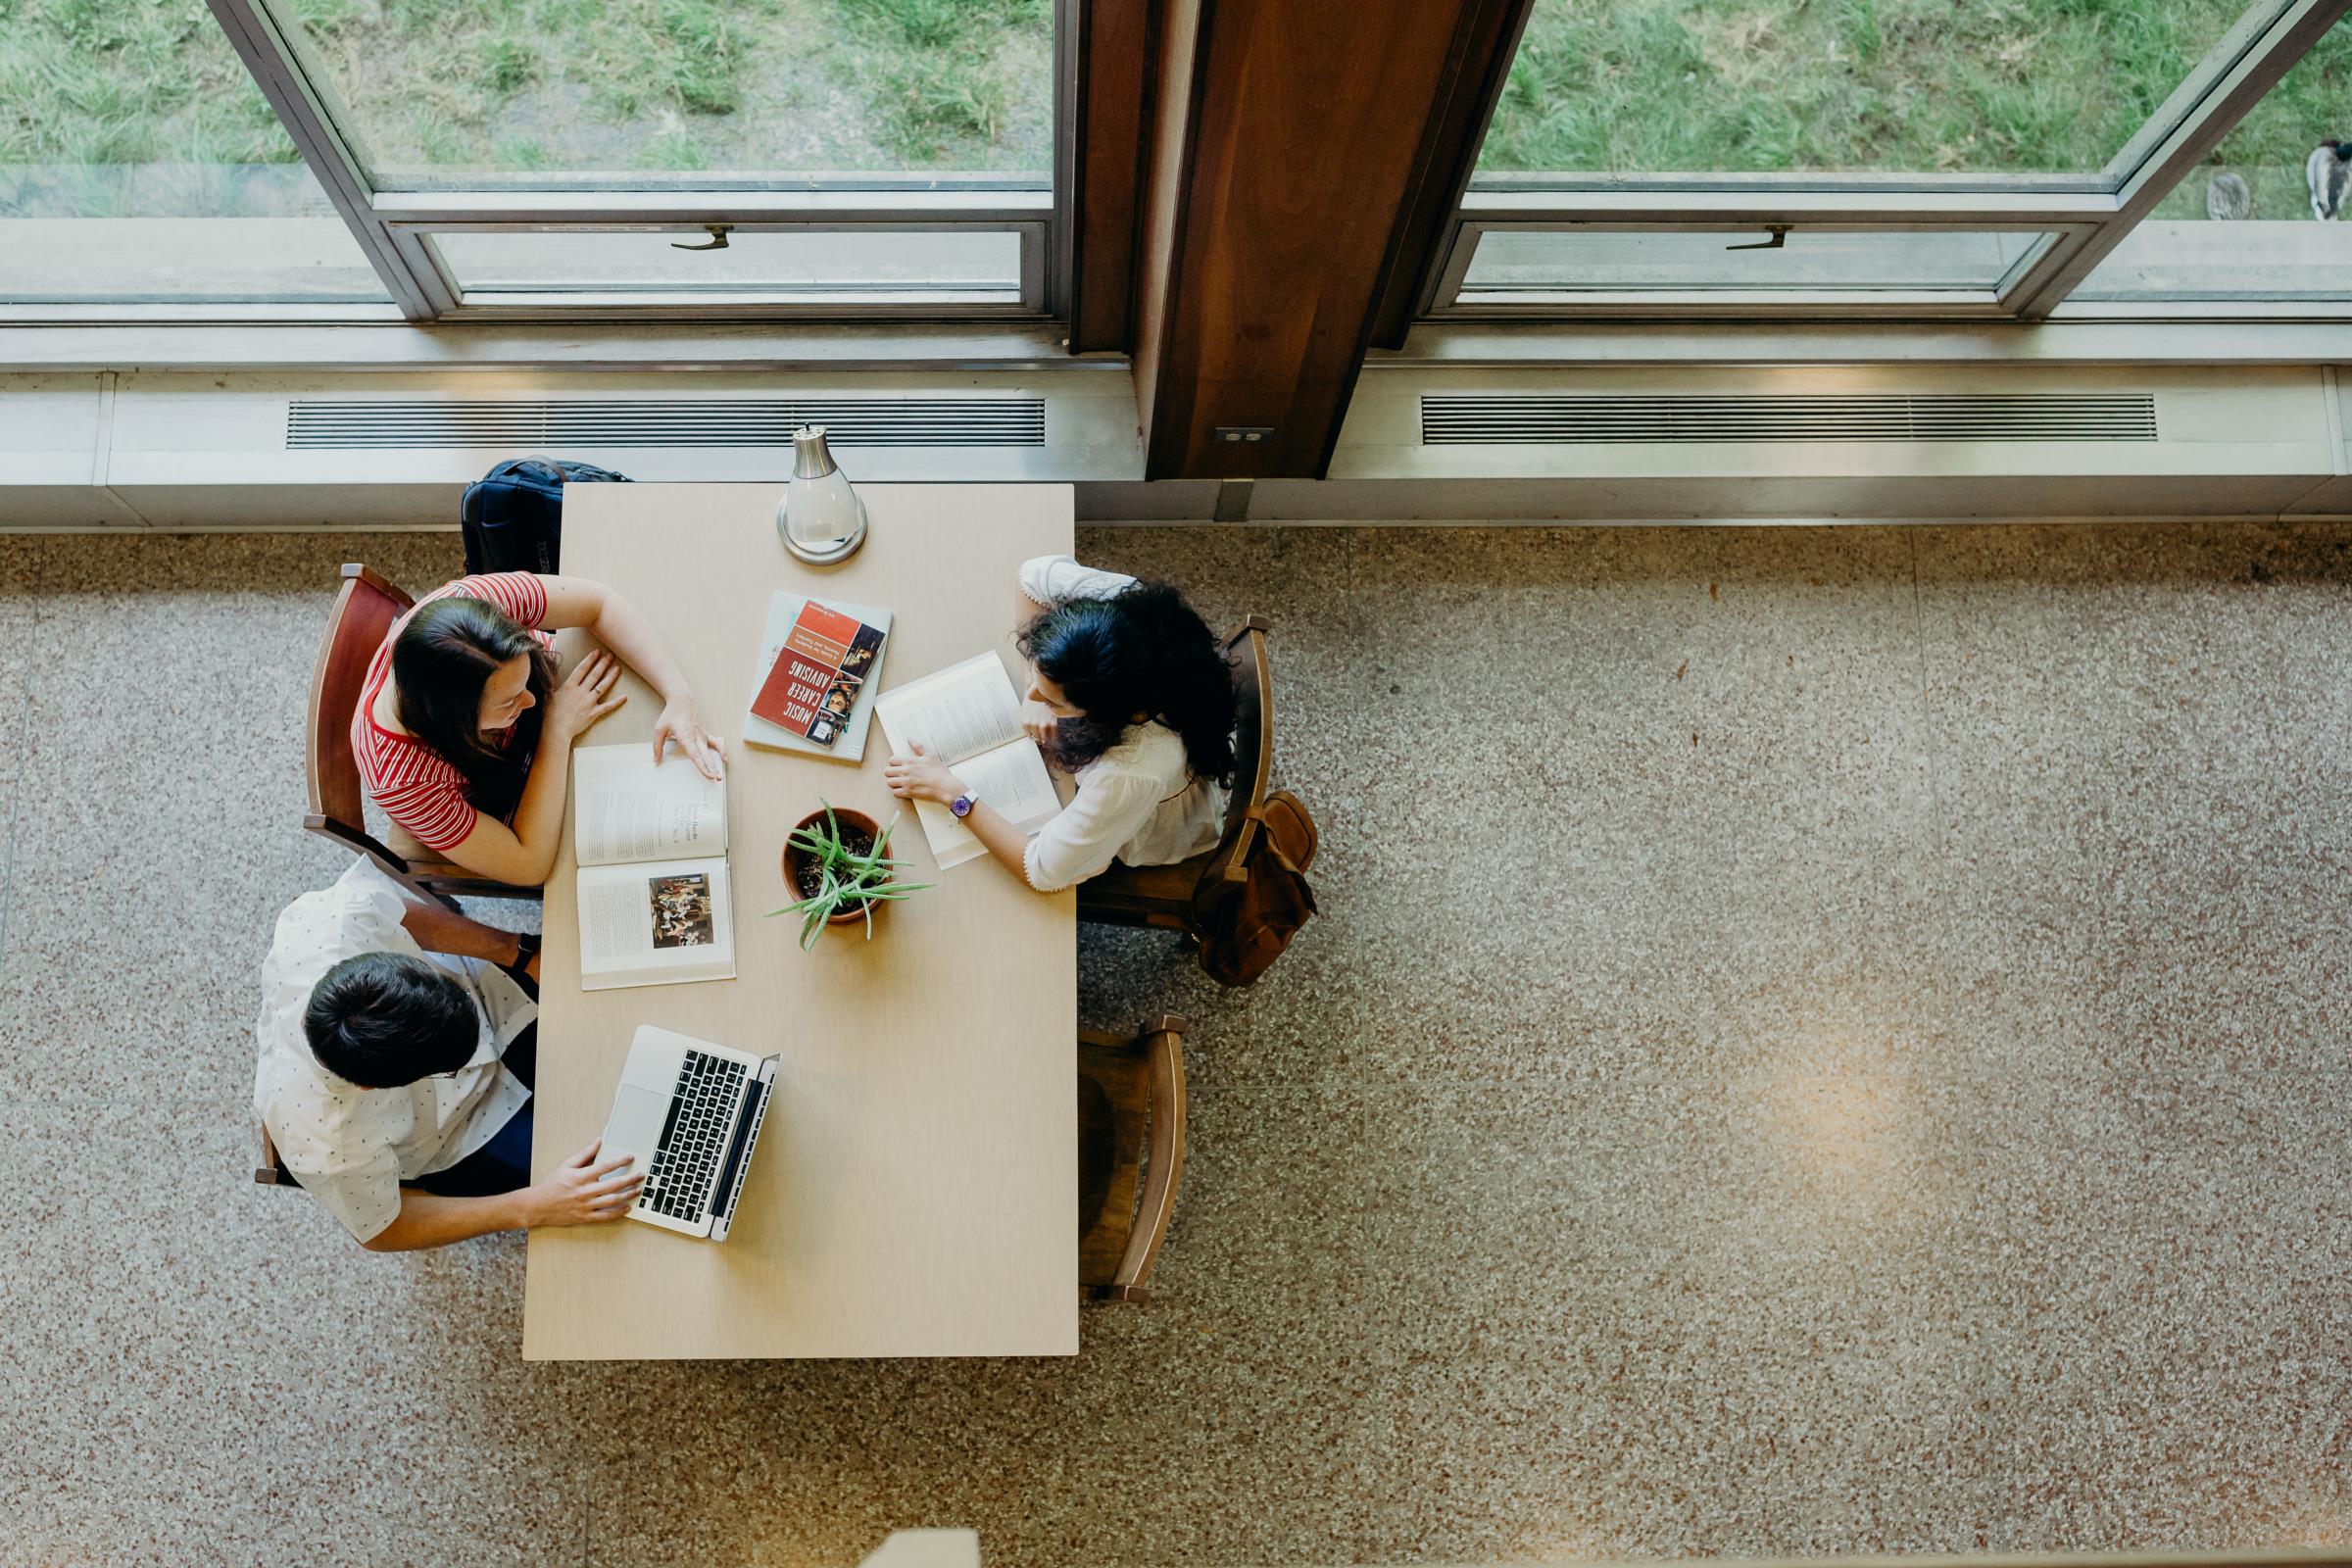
(1130,695)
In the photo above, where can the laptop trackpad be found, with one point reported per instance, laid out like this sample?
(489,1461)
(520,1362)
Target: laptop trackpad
(636,1124)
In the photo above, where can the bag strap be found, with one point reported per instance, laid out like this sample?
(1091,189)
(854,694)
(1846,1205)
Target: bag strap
(1270,836)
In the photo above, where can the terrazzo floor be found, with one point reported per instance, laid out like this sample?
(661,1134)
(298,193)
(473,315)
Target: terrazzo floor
(1818,1042)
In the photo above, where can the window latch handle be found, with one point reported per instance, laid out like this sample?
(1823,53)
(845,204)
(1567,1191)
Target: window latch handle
(1778,231)
(718,233)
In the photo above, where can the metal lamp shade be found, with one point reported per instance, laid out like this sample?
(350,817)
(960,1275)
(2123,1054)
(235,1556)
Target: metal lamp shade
(821,519)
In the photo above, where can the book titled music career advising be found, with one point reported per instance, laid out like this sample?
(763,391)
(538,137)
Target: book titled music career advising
(813,690)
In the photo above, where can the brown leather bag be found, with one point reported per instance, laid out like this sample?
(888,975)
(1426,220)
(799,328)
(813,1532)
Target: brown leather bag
(1241,940)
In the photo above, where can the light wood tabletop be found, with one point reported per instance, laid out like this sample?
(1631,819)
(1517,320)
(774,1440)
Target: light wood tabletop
(915,1192)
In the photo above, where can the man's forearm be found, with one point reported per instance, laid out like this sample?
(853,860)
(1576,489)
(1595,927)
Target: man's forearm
(444,930)
(427,1219)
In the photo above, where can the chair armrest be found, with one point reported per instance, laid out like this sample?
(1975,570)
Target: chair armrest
(1158,1202)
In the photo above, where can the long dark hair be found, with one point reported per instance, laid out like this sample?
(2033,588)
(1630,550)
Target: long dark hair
(440,662)
(1141,651)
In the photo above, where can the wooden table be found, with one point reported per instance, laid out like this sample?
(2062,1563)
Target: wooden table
(915,1187)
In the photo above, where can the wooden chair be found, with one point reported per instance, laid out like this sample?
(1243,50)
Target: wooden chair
(271,1172)
(365,610)
(1185,895)
(1130,1134)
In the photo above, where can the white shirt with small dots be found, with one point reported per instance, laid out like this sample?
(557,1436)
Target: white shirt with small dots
(351,1148)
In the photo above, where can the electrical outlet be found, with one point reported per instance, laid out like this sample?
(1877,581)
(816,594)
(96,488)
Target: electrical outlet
(1245,432)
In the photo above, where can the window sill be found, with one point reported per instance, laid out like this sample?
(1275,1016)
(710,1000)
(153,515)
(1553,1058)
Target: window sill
(252,338)
(2280,333)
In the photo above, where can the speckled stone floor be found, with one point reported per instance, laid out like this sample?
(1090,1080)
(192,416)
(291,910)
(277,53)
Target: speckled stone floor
(1819,1040)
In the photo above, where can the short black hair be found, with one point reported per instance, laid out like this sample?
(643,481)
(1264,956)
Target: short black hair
(383,1020)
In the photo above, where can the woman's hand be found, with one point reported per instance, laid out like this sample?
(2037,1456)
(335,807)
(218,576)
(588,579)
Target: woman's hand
(921,777)
(682,721)
(584,697)
(1042,725)
(583,1191)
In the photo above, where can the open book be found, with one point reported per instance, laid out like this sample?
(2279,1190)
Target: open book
(967,716)
(655,902)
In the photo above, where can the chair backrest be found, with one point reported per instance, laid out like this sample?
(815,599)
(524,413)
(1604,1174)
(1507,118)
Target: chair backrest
(366,606)
(1131,1154)
(271,1172)
(1252,756)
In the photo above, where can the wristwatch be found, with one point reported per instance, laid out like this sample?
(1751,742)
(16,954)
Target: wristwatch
(526,943)
(962,805)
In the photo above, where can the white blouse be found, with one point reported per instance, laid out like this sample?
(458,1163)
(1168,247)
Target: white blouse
(1137,803)
(351,1148)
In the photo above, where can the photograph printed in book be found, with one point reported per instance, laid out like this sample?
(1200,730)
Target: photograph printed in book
(681,909)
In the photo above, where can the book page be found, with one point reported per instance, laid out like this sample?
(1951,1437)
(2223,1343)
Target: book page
(625,808)
(656,922)
(1011,779)
(959,713)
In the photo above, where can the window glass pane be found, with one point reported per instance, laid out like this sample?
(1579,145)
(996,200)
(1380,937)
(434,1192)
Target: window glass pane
(704,93)
(971,267)
(1921,86)
(1533,265)
(2242,226)
(140,162)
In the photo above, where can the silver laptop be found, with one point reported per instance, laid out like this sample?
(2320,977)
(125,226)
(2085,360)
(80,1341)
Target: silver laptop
(688,1113)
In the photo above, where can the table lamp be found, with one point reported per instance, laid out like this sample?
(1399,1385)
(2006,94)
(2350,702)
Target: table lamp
(821,520)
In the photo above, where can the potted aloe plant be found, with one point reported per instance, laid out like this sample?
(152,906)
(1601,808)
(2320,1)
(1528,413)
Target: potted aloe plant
(839,864)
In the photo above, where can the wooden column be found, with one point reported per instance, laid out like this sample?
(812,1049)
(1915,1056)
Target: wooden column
(1305,157)
(1112,112)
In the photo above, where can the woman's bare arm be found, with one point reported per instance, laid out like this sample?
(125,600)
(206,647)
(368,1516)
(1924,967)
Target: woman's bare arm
(1007,845)
(525,853)
(622,627)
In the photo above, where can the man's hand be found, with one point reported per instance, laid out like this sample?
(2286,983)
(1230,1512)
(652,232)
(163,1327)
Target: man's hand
(584,697)
(921,777)
(682,721)
(532,968)
(583,1191)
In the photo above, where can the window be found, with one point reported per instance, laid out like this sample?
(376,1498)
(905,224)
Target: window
(681,94)
(138,165)
(1882,157)
(532,158)
(2240,227)
(1886,86)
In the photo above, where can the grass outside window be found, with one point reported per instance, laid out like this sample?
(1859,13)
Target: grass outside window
(1879,87)
(105,106)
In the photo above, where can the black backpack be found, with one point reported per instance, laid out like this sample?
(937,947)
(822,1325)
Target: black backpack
(514,514)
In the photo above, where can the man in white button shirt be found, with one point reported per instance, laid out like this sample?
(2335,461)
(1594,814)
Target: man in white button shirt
(397,1042)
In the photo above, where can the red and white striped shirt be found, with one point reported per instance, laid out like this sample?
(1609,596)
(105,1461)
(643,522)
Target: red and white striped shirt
(418,788)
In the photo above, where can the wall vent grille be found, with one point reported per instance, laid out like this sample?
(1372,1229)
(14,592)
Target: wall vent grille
(1457,420)
(315,423)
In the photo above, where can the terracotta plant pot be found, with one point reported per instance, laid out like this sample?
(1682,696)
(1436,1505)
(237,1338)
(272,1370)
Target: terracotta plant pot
(850,822)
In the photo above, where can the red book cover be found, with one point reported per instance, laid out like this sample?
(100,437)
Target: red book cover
(815,681)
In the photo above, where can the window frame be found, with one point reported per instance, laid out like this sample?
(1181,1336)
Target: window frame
(2089,214)
(391,226)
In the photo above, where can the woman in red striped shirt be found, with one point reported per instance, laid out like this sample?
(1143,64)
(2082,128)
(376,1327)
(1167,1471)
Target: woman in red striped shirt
(463,734)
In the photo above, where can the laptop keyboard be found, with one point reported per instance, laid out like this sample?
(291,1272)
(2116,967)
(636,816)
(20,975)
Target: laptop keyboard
(694,1140)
